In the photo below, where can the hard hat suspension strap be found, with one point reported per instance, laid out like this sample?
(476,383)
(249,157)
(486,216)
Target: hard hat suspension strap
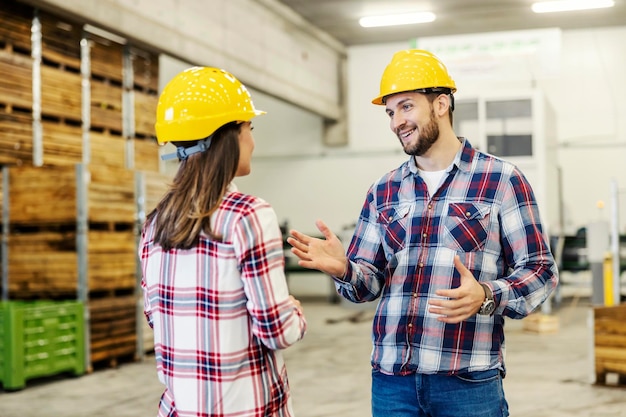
(183,153)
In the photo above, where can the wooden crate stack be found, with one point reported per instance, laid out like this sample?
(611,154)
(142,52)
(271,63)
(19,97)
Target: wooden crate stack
(43,250)
(43,204)
(610,343)
(146,84)
(16,83)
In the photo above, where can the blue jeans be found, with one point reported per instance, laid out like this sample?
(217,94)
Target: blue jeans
(475,394)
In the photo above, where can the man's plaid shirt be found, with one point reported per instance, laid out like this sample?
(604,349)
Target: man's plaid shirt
(403,250)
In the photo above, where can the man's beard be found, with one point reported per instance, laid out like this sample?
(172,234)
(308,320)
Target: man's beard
(427,136)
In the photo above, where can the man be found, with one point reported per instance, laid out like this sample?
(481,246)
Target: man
(450,243)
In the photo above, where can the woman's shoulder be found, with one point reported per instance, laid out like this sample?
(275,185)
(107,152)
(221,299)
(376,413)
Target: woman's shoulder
(240,201)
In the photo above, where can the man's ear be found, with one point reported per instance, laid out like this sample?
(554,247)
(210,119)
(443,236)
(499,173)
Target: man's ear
(443,104)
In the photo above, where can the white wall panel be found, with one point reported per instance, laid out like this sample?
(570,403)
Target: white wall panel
(586,96)
(368,123)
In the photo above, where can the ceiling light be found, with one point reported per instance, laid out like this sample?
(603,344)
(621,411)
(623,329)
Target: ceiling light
(396,19)
(567,5)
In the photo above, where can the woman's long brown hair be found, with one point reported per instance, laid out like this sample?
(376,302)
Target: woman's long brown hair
(196,191)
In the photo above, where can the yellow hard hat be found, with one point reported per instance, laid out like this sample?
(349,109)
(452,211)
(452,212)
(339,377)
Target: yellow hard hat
(200,100)
(413,69)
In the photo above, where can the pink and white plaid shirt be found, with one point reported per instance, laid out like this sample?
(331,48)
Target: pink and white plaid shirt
(221,312)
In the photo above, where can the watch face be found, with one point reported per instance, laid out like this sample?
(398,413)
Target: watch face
(487,308)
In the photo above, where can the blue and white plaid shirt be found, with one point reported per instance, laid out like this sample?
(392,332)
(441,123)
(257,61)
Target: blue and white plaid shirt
(403,250)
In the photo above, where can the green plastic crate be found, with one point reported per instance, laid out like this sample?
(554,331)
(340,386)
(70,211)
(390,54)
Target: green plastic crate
(38,339)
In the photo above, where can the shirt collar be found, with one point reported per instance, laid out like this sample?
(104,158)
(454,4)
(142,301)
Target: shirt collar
(232,188)
(465,155)
(462,160)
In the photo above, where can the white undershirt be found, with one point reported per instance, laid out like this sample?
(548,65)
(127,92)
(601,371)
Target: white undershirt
(432,179)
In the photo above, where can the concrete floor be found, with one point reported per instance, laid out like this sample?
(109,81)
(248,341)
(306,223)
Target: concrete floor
(549,375)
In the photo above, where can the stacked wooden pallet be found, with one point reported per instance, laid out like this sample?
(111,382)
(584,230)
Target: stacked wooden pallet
(78,208)
(43,205)
(113,329)
(610,343)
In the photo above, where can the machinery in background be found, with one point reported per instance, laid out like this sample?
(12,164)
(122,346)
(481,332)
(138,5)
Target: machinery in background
(572,255)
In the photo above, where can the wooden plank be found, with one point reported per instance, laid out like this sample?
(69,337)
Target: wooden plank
(106,95)
(46,260)
(146,155)
(114,351)
(112,260)
(617,313)
(106,105)
(16,82)
(106,59)
(107,149)
(112,195)
(62,144)
(15,26)
(108,342)
(610,341)
(116,305)
(145,70)
(42,262)
(61,95)
(541,323)
(157,185)
(60,40)
(16,138)
(120,326)
(145,113)
(33,190)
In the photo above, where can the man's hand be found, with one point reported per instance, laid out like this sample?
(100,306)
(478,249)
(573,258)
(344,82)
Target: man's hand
(462,302)
(326,255)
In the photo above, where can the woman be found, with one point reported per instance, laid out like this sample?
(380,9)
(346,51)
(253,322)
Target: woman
(214,286)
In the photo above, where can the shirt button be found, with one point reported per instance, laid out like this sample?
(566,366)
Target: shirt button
(467,214)
(424,235)
(390,218)
(410,325)
(414,295)
(421,264)
(430,206)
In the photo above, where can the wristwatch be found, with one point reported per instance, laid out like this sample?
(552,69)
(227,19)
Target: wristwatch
(489,305)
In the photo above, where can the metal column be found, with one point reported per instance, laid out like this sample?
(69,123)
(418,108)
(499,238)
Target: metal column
(36,54)
(85,74)
(615,244)
(128,107)
(82,189)
(140,193)
(5,233)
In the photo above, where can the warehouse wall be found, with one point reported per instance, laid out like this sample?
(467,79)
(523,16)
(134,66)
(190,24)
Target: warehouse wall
(267,45)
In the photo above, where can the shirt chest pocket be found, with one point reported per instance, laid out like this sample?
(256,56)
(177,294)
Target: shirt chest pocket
(395,224)
(466,226)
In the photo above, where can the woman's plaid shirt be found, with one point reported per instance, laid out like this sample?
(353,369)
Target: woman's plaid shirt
(221,312)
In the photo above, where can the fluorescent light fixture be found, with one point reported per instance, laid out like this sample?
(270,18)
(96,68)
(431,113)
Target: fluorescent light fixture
(396,19)
(568,5)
